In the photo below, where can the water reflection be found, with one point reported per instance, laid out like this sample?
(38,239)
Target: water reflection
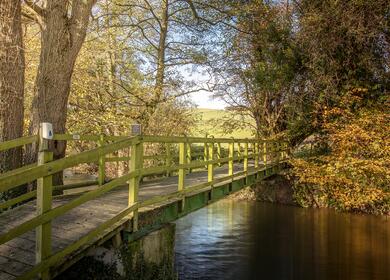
(251,240)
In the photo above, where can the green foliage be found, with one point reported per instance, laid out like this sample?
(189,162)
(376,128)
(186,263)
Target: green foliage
(344,45)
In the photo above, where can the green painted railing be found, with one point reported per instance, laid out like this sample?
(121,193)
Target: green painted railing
(216,152)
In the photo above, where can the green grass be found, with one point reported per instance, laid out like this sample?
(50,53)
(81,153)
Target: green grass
(210,121)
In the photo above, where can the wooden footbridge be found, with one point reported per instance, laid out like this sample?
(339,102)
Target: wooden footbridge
(42,234)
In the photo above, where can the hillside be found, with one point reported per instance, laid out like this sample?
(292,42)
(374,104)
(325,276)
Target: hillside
(211,120)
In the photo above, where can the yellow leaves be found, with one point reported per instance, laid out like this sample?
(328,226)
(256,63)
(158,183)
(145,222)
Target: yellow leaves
(355,176)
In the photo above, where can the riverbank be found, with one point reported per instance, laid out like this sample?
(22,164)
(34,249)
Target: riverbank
(283,189)
(276,189)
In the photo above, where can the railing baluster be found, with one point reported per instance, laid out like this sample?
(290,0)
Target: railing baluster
(210,165)
(246,154)
(102,163)
(239,151)
(168,160)
(44,204)
(205,152)
(182,171)
(219,153)
(256,152)
(265,154)
(182,160)
(189,156)
(136,163)
(231,158)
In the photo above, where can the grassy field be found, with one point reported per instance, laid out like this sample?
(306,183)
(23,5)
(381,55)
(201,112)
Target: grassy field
(210,120)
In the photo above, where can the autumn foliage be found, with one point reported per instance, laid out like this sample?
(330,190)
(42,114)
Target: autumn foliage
(353,172)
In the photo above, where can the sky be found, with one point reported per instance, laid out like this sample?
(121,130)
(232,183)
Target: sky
(203,99)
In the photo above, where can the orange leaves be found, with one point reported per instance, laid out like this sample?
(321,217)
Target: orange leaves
(355,176)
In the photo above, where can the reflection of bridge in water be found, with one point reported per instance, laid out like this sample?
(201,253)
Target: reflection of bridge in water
(45,236)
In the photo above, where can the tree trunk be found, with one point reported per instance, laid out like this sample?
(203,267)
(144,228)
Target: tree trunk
(61,40)
(11,82)
(159,86)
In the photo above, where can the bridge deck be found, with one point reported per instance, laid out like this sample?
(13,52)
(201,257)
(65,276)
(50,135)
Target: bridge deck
(18,255)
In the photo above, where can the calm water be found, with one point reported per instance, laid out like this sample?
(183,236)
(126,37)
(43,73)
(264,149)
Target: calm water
(252,240)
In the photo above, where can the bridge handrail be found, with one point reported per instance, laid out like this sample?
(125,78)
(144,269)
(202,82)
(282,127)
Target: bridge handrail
(9,181)
(33,172)
(7,145)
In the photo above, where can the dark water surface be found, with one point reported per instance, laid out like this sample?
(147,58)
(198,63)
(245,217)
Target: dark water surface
(253,240)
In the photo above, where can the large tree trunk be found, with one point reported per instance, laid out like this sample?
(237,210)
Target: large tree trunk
(11,81)
(62,37)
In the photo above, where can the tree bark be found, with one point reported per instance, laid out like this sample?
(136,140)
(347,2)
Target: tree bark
(160,76)
(63,34)
(11,81)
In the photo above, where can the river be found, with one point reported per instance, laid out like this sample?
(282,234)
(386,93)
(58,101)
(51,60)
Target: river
(253,240)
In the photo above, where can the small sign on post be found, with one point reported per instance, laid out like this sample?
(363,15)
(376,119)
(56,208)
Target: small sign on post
(46,131)
(136,129)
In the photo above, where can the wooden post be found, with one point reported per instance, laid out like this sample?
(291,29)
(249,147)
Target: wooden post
(168,160)
(210,165)
(239,151)
(231,160)
(205,153)
(136,163)
(182,160)
(246,154)
(189,156)
(44,204)
(102,163)
(182,171)
(265,154)
(219,153)
(256,151)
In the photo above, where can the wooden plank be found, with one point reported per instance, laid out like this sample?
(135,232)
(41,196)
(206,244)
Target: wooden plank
(36,221)
(87,239)
(18,142)
(22,243)
(6,276)
(13,267)
(177,139)
(78,137)
(18,199)
(18,254)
